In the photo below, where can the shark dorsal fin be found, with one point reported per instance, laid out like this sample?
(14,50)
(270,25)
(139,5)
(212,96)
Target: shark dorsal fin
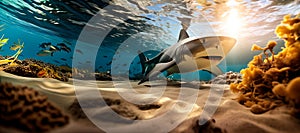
(183,35)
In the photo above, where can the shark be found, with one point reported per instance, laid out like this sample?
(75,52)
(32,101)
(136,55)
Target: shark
(187,55)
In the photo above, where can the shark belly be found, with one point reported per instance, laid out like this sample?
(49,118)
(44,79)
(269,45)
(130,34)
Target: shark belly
(191,64)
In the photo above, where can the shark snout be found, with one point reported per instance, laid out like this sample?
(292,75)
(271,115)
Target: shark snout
(227,43)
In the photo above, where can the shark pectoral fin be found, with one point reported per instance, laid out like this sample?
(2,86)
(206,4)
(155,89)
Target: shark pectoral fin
(215,70)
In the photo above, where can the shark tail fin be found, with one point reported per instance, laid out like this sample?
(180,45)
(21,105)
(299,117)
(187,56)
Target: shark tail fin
(144,61)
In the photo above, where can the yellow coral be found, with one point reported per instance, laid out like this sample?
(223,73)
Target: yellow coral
(256,47)
(293,89)
(267,83)
(12,58)
(289,29)
(279,90)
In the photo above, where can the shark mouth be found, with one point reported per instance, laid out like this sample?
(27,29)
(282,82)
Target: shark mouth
(212,57)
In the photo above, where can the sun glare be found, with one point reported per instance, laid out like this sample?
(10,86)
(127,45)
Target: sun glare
(232,19)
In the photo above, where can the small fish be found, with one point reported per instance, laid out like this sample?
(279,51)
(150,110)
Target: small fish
(109,63)
(67,49)
(42,74)
(79,51)
(62,45)
(124,64)
(56,61)
(16,46)
(45,45)
(53,48)
(45,53)
(63,59)
(105,56)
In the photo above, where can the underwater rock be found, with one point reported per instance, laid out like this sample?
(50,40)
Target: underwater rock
(25,109)
(273,81)
(192,126)
(227,78)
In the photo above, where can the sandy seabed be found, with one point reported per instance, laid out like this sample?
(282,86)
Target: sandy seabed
(146,111)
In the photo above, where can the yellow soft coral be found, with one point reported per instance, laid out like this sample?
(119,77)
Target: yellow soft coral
(289,29)
(293,89)
(270,82)
(12,58)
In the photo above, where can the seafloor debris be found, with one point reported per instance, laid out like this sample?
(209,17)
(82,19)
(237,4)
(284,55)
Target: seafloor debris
(28,110)
(273,81)
(227,78)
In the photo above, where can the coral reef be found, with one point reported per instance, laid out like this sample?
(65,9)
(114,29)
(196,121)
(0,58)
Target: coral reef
(38,69)
(86,75)
(227,78)
(273,81)
(28,110)
(35,68)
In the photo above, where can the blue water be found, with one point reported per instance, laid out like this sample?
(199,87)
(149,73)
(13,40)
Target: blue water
(124,27)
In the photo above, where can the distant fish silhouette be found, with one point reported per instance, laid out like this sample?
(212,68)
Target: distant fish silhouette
(53,48)
(56,61)
(45,53)
(63,59)
(62,45)
(79,51)
(45,45)
(67,49)
(109,63)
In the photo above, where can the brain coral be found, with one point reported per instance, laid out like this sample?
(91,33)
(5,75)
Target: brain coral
(28,110)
